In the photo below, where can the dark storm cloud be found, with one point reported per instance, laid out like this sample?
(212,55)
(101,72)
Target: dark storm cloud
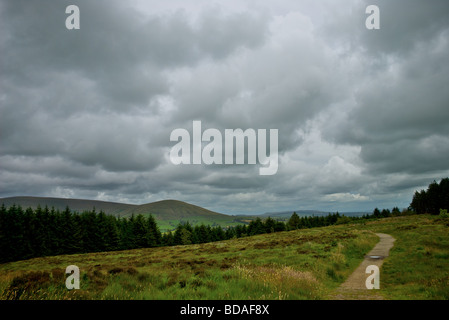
(64,89)
(88,113)
(121,51)
(400,112)
(282,84)
(406,24)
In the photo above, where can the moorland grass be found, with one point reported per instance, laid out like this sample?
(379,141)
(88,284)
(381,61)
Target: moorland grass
(301,264)
(418,265)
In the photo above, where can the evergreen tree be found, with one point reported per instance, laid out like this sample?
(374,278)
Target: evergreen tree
(167,239)
(217,234)
(140,232)
(269,225)
(230,233)
(29,234)
(126,233)
(201,234)
(154,234)
(255,227)
(77,244)
(385,213)
(102,234)
(433,199)
(91,240)
(279,226)
(293,222)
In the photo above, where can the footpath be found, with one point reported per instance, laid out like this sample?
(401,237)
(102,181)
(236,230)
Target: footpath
(354,288)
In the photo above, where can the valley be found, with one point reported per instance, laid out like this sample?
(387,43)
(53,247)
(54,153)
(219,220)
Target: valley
(300,264)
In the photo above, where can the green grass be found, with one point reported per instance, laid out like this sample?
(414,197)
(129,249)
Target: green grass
(285,265)
(168,213)
(303,264)
(222,221)
(418,266)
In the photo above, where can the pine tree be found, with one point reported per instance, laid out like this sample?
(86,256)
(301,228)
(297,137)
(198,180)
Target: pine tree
(269,225)
(293,222)
(140,232)
(101,234)
(217,234)
(154,234)
(112,234)
(255,227)
(127,235)
(167,239)
(29,234)
(183,235)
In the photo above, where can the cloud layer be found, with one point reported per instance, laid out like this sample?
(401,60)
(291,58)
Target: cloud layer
(362,114)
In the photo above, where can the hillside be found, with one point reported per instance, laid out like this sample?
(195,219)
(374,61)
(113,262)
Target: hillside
(112,208)
(310,213)
(172,210)
(301,264)
(265,266)
(167,212)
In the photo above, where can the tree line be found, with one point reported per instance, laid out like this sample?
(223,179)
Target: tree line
(29,233)
(185,233)
(432,200)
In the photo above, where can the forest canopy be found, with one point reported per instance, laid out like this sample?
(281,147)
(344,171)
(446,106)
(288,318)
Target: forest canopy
(432,200)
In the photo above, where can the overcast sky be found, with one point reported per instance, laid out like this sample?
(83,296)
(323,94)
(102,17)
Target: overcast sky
(363,115)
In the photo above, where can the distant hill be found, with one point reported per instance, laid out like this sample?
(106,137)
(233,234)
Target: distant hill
(161,210)
(288,214)
(309,213)
(172,210)
(112,208)
(168,213)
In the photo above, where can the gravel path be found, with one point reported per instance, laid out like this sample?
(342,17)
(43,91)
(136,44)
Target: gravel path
(354,288)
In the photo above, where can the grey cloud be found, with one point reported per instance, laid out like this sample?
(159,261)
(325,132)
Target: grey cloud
(280,85)
(408,156)
(123,52)
(114,63)
(89,113)
(403,25)
(398,113)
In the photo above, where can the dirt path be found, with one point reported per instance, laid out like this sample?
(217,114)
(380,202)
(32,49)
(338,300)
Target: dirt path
(354,288)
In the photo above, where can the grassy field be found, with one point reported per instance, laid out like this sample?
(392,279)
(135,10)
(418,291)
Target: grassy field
(418,266)
(222,221)
(301,264)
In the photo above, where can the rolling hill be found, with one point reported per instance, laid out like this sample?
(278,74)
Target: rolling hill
(304,264)
(161,210)
(309,213)
(168,213)
(172,210)
(79,205)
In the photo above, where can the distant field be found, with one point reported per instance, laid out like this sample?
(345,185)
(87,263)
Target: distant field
(418,266)
(300,264)
(168,213)
(223,221)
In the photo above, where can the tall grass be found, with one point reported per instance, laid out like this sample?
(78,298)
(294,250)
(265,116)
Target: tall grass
(300,264)
(418,266)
